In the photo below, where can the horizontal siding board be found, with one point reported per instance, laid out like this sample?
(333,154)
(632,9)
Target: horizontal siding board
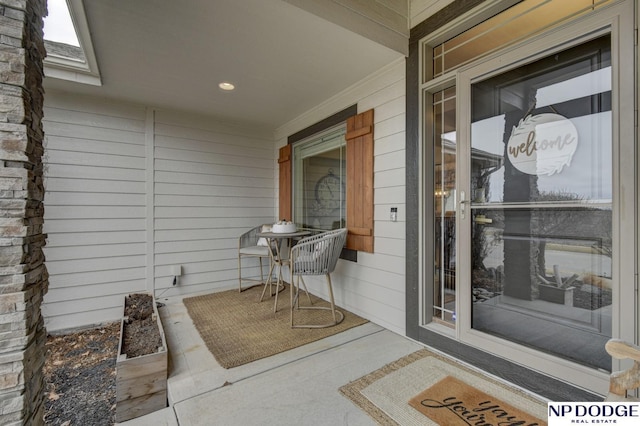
(95,160)
(195,257)
(218,180)
(92,303)
(80,172)
(236,159)
(92,119)
(394,107)
(394,124)
(390,178)
(73,102)
(56,198)
(201,269)
(190,245)
(199,234)
(169,189)
(211,199)
(224,146)
(387,262)
(389,229)
(92,186)
(203,223)
(389,195)
(389,295)
(388,161)
(109,277)
(96,251)
(386,99)
(72,239)
(99,264)
(374,275)
(181,122)
(391,143)
(92,133)
(93,225)
(165,134)
(242,208)
(56,322)
(390,246)
(88,290)
(95,212)
(97,147)
(265,172)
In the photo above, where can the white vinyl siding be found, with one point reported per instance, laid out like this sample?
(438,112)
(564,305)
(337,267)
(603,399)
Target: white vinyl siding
(94,208)
(374,287)
(210,183)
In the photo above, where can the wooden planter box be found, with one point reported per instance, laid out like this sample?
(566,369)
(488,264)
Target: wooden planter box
(563,296)
(141,382)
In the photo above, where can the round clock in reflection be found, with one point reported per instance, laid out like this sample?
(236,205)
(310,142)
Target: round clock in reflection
(329,191)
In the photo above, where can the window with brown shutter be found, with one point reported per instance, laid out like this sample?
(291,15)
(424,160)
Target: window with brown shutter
(284,161)
(360,181)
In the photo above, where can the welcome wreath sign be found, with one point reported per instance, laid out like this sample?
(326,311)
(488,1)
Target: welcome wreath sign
(542,144)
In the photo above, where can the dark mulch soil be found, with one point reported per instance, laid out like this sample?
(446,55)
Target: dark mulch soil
(141,334)
(80,368)
(80,377)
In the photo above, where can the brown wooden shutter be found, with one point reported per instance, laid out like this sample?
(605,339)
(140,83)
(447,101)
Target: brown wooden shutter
(360,181)
(284,161)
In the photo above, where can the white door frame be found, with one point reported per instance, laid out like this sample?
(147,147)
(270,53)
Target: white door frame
(618,21)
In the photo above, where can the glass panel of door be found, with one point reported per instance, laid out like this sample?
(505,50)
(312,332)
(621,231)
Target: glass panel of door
(540,202)
(444,154)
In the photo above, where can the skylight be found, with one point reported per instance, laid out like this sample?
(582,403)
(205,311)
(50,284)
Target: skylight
(67,39)
(58,25)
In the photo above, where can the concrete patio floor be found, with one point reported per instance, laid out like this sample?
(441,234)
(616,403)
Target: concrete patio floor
(297,387)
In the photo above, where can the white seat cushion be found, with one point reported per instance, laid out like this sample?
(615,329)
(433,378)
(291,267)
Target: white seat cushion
(255,250)
(263,241)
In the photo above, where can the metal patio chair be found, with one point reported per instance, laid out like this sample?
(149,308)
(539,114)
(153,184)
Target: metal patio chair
(251,246)
(316,255)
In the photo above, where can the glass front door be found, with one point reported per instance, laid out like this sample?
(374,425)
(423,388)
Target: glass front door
(533,199)
(540,204)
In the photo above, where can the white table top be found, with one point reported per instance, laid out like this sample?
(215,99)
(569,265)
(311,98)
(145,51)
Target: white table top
(277,235)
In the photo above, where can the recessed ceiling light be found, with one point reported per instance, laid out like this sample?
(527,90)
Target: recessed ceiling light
(225,85)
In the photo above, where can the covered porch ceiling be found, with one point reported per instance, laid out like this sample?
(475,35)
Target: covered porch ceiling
(282,59)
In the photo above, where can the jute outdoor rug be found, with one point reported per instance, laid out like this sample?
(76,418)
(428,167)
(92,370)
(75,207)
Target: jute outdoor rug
(425,388)
(238,329)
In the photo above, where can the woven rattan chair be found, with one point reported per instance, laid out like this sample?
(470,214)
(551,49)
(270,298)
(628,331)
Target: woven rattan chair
(252,246)
(623,382)
(316,255)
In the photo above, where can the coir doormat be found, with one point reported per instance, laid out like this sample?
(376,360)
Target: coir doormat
(453,402)
(385,393)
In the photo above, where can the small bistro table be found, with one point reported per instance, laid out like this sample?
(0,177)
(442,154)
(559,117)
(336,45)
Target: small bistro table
(278,259)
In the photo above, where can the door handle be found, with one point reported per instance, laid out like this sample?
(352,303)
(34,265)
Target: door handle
(463,202)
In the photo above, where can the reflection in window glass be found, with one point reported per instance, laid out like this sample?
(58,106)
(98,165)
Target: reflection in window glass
(541,186)
(512,25)
(444,191)
(319,181)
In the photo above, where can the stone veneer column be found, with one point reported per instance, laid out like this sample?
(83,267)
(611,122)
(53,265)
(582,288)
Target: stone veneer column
(23,275)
